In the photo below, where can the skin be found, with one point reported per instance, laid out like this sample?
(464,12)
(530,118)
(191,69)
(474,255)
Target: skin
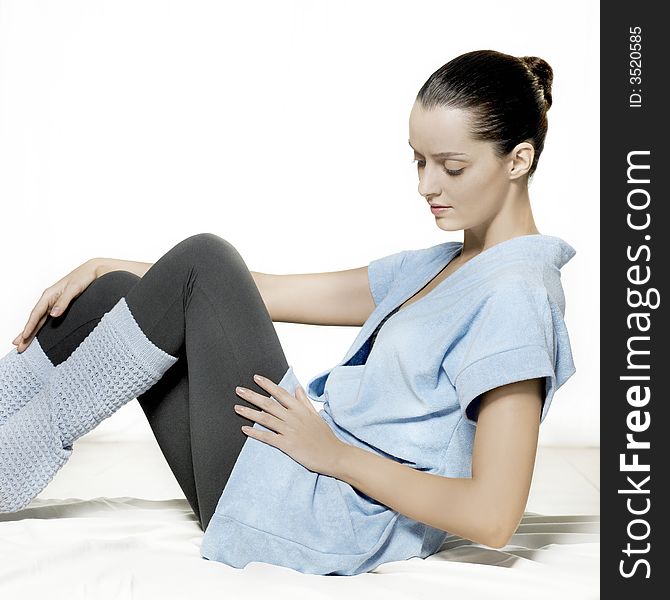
(56,298)
(490,204)
(490,195)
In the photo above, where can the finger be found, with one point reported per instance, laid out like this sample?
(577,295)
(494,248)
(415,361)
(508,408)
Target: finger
(276,391)
(58,305)
(41,312)
(25,342)
(261,401)
(35,315)
(266,419)
(301,394)
(22,345)
(63,301)
(264,436)
(28,330)
(33,335)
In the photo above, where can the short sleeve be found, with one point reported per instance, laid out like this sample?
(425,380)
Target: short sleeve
(382,272)
(516,333)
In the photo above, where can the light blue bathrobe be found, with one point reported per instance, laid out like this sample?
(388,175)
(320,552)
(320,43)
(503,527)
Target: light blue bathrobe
(497,319)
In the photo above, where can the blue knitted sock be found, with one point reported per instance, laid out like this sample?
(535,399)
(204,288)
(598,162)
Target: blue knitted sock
(22,375)
(114,364)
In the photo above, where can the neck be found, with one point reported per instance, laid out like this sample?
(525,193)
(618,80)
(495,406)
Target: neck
(513,220)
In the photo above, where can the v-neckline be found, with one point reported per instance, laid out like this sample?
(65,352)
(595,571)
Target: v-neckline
(443,265)
(399,307)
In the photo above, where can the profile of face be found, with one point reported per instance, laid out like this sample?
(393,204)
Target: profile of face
(460,172)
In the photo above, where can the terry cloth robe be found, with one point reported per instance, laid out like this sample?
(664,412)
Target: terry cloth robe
(411,398)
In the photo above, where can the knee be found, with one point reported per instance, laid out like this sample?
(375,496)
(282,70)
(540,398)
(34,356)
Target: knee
(207,249)
(205,243)
(110,287)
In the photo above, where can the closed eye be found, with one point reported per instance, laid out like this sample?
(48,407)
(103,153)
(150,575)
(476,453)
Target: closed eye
(453,173)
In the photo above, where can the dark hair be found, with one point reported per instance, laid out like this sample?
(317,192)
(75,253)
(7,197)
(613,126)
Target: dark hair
(508,97)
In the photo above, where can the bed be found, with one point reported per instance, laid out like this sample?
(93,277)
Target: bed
(115,524)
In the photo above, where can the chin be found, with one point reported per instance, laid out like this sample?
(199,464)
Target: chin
(448,225)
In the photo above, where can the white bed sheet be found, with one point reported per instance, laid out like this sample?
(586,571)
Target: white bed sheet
(114,524)
(144,549)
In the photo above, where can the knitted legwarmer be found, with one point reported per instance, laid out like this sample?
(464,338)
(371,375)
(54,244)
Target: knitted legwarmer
(22,375)
(114,364)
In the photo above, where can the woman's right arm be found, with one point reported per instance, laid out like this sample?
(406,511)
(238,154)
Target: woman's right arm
(331,298)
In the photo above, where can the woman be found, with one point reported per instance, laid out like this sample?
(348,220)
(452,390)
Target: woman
(430,421)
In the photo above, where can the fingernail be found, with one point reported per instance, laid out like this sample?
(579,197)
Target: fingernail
(55,311)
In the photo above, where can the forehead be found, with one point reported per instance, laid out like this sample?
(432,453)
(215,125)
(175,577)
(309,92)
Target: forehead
(430,130)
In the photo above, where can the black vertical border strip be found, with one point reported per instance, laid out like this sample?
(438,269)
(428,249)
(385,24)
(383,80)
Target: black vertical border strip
(625,130)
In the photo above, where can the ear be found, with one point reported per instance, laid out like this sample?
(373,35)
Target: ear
(521,159)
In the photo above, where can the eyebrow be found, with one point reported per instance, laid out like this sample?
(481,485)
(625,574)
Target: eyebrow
(439,154)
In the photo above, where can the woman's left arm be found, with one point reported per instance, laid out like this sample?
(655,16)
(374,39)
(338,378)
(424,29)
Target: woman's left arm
(485,508)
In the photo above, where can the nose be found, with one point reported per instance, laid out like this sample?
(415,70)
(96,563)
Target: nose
(429,183)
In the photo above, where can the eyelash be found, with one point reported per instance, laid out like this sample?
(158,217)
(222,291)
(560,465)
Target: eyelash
(447,171)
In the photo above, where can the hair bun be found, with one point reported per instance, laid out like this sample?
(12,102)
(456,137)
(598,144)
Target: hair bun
(543,73)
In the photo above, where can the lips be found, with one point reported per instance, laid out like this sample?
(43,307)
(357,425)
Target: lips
(441,206)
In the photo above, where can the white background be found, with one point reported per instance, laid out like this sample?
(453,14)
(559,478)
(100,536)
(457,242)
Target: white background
(127,126)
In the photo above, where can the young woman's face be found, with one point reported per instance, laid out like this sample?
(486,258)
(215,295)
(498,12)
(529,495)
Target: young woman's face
(473,182)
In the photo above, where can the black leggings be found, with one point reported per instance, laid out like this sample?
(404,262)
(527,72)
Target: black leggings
(200,303)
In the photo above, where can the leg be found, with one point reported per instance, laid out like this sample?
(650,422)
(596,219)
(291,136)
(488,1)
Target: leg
(199,301)
(22,376)
(114,364)
(59,336)
(189,302)
(165,404)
